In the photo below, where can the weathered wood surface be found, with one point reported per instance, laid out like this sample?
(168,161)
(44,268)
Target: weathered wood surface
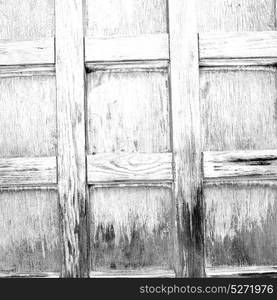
(26,20)
(121,18)
(27,52)
(128,112)
(29,232)
(28,116)
(71,135)
(28,171)
(246,48)
(184,73)
(111,167)
(236,15)
(145,47)
(250,164)
(27,71)
(131,228)
(238,109)
(241,225)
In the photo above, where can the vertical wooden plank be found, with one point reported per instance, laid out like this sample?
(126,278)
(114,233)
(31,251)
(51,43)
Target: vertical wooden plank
(71,135)
(186,137)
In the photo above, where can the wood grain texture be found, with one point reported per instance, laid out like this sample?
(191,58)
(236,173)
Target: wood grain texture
(249,164)
(29,232)
(27,52)
(71,135)
(128,112)
(236,15)
(121,18)
(238,109)
(240,225)
(259,47)
(28,171)
(28,116)
(111,167)
(26,20)
(144,47)
(184,73)
(131,228)
(27,70)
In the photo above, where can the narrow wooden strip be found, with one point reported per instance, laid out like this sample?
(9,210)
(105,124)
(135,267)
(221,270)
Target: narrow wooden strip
(70,80)
(238,48)
(27,52)
(240,164)
(141,273)
(112,167)
(185,101)
(28,171)
(144,47)
(159,184)
(29,275)
(134,66)
(27,70)
(241,271)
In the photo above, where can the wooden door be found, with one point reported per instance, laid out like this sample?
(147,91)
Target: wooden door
(129,129)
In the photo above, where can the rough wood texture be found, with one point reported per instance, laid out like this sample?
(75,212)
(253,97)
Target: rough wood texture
(241,225)
(28,116)
(238,164)
(236,15)
(29,232)
(27,71)
(238,109)
(128,112)
(217,48)
(186,137)
(71,135)
(111,167)
(145,47)
(26,20)
(125,18)
(27,52)
(131,228)
(28,171)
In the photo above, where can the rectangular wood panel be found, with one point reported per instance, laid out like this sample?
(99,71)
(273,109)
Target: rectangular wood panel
(131,228)
(238,164)
(29,232)
(240,224)
(145,47)
(238,109)
(112,167)
(128,111)
(236,15)
(125,18)
(240,47)
(26,20)
(28,116)
(28,171)
(27,52)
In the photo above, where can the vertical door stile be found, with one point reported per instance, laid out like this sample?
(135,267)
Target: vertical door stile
(186,137)
(70,81)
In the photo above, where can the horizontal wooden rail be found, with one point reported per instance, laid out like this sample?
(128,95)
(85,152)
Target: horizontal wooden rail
(28,171)
(27,52)
(145,47)
(238,48)
(113,167)
(240,164)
